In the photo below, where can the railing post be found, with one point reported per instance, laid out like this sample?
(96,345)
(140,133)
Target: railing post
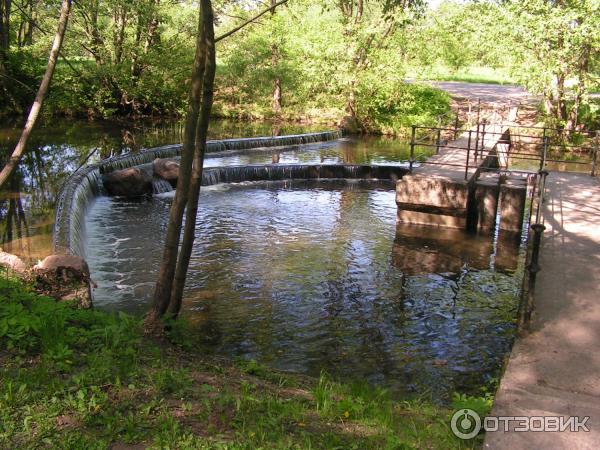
(468,155)
(595,154)
(484,123)
(412,147)
(544,152)
(538,230)
(456,126)
(469,113)
(477,140)
(543,174)
(438,142)
(533,265)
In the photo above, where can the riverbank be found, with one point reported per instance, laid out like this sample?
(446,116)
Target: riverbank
(88,379)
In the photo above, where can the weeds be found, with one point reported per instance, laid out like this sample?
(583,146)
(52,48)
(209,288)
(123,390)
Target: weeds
(82,379)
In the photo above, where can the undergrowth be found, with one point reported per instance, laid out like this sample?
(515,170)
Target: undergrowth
(85,379)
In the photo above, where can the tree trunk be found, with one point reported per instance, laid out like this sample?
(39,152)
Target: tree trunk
(5,9)
(120,19)
(4,49)
(200,150)
(41,94)
(164,283)
(274,64)
(28,38)
(584,68)
(92,31)
(152,34)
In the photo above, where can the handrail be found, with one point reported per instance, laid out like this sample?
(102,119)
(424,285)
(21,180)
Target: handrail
(482,131)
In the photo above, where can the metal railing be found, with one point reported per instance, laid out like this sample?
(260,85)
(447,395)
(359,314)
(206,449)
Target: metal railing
(475,147)
(546,141)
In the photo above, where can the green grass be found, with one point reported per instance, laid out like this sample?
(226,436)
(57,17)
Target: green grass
(486,75)
(84,379)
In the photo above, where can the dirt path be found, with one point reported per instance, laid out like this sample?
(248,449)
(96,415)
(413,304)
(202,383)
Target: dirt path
(495,94)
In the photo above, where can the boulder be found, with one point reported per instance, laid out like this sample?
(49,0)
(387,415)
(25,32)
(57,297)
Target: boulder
(66,278)
(70,265)
(12,262)
(132,182)
(167,169)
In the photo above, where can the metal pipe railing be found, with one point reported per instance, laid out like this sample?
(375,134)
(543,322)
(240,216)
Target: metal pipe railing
(468,155)
(412,147)
(595,155)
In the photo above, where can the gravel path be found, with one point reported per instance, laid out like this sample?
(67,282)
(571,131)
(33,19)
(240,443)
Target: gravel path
(489,93)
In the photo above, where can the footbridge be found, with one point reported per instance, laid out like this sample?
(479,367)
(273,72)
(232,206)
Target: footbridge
(502,176)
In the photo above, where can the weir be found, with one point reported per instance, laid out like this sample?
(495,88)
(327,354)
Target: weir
(86,184)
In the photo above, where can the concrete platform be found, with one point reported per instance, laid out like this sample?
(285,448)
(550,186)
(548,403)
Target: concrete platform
(555,370)
(441,192)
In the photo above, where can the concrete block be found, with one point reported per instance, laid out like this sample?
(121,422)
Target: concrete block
(486,203)
(512,206)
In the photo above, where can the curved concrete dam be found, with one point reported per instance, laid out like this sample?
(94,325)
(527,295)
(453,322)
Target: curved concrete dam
(84,185)
(304,268)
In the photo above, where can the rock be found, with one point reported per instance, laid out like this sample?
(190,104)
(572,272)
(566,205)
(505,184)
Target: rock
(75,265)
(132,182)
(66,278)
(350,125)
(167,169)
(12,262)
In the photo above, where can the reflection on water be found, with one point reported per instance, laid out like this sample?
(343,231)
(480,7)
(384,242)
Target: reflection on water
(58,147)
(306,276)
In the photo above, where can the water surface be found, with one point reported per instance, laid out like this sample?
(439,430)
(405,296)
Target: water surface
(58,147)
(310,276)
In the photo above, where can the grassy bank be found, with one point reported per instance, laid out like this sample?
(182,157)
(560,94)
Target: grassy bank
(472,74)
(87,379)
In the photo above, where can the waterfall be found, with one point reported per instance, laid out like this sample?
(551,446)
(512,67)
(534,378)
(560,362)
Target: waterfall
(75,196)
(277,172)
(160,186)
(170,151)
(85,184)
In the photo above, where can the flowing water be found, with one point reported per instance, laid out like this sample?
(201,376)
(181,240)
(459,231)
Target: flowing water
(315,275)
(58,147)
(300,275)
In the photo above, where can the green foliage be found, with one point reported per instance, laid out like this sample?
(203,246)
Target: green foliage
(134,59)
(391,108)
(83,379)
(481,405)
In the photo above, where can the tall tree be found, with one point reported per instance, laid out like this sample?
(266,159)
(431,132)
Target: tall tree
(368,25)
(191,147)
(557,41)
(21,146)
(274,63)
(174,265)
(4,45)
(187,243)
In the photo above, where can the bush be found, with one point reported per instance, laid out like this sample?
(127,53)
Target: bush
(391,108)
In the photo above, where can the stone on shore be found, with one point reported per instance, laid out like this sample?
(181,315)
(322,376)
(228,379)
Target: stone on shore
(66,278)
(12,262)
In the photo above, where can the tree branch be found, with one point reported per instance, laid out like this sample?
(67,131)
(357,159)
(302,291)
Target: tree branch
(249,21)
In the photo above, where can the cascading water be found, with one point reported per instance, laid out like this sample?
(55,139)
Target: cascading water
(73,201)
(160,186)
(270,172)
(83,186)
